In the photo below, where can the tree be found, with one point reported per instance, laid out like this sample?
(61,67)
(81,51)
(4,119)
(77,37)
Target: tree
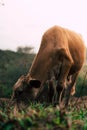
(2,3)
(26,50)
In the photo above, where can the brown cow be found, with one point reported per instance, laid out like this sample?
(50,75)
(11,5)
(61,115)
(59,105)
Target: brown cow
(58,61)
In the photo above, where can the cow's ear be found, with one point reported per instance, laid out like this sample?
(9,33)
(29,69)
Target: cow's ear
(35,83)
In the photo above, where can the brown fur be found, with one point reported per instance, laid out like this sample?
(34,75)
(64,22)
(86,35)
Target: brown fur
(61,54)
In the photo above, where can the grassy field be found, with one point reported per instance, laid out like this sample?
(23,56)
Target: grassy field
(42,117)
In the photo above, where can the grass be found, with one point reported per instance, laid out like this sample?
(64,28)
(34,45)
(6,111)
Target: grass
(41,117)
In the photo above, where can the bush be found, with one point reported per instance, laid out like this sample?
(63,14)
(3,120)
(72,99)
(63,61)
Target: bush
(12,66)
(81,85)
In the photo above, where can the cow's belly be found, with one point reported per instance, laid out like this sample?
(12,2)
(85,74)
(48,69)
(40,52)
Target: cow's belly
(56,70)
(74,69)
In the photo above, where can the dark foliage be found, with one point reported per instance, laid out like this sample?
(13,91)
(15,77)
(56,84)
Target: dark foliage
(12,66)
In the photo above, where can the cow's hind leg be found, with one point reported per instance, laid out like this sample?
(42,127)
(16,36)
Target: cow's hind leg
(68,91)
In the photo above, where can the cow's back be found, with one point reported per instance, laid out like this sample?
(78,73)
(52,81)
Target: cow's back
(59,37)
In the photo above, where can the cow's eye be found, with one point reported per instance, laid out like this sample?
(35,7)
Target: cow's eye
(35,83)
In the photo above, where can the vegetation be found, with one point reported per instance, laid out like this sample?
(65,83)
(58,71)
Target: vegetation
(41,117)
(81,85)
(26,50)
(12,66)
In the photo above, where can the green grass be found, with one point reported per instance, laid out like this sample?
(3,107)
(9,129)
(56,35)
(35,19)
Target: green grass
(39,117)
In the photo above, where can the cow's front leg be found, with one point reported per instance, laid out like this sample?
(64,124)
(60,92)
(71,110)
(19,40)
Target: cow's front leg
(52,92)
(62,79)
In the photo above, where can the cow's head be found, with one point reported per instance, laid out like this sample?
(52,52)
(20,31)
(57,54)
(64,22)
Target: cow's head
(25,89)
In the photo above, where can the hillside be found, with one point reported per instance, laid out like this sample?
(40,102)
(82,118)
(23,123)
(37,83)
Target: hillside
(12,66)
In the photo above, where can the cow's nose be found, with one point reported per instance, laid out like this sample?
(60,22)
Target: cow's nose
(18,92)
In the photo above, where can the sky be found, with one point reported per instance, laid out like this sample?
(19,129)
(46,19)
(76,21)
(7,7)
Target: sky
(23,22)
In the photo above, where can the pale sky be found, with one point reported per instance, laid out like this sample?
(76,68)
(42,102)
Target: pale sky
(23,22)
